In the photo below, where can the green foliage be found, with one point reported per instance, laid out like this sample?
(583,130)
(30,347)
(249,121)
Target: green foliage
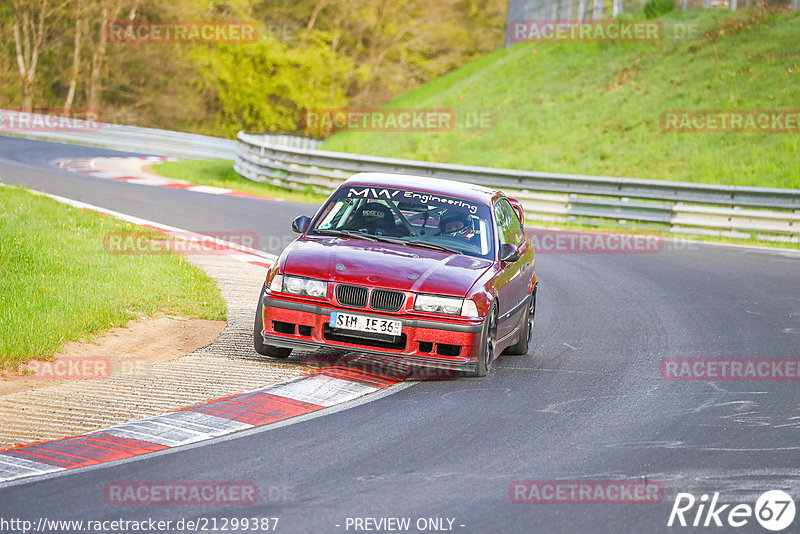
(312,53)
(655,8)
(266,86)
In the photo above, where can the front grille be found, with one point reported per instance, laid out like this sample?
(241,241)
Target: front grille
(354,296)
(383,300)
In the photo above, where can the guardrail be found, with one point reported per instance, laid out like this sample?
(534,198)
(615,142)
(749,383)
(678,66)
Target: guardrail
(145,140)
(686,207)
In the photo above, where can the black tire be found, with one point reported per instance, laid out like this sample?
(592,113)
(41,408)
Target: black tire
(488,343)
(520,348)
(258,339)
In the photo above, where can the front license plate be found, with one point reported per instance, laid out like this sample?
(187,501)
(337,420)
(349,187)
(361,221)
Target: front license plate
(365,323)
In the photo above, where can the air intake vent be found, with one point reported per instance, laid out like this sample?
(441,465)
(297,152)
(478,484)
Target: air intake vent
(383,300)
(353,296)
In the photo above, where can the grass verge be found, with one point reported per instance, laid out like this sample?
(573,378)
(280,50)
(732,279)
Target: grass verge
(58,283)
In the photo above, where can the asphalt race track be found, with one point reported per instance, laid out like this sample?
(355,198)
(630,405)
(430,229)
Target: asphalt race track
(587,402)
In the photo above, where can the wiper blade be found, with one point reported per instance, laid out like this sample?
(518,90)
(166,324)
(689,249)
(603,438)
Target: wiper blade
(434,246)
(348,233)
(389,239)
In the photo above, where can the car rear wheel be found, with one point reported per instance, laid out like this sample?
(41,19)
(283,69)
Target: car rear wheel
(258,339)
(520,348)
(488,343)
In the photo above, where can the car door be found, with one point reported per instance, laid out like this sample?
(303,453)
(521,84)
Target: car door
(510,284)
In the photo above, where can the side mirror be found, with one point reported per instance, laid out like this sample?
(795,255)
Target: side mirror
(509,253)
(301,224)
(517,205)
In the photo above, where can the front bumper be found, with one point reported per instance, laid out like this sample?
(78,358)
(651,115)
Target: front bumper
(439,344)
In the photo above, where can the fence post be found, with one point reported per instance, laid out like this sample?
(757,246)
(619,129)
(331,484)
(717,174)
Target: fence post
(617,9)
(734,4)
(706,4)
(795,5)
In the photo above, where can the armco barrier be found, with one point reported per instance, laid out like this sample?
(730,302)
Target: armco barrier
(547,196)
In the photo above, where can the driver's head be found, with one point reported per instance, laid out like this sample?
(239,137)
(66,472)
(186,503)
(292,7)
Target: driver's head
(453,221)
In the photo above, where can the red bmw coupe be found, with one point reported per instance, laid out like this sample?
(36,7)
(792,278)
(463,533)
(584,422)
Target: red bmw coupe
(436,272)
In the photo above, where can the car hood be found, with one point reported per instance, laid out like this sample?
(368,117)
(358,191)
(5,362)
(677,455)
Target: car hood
(385,265)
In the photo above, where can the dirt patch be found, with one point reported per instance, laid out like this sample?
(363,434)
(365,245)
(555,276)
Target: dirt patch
(118,351)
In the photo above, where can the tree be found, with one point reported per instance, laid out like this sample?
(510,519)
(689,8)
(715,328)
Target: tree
(29,32)
(267,86)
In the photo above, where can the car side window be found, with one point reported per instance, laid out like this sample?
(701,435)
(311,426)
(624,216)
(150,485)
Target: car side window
(509,228)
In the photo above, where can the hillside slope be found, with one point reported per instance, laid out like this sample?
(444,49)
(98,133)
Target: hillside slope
(593,108)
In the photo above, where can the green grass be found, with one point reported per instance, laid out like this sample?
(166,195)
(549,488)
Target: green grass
(593,108)
(57,282)
(220,173)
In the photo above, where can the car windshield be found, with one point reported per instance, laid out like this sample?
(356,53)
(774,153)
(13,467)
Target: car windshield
(413,218)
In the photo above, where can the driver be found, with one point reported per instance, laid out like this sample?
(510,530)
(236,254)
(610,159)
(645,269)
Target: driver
(457,224)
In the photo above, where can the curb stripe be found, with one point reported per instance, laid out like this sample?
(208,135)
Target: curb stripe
(88,166)
(320,389)
(210,424)
(260,407)
(34,453)
(12,468)
(257,409)
(362,377)
(159,431)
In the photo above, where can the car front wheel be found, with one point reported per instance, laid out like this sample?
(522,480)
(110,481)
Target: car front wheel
(520,348)
(258,339)
(488,343)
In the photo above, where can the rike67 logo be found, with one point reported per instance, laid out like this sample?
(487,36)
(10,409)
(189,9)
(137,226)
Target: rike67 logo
(774,510)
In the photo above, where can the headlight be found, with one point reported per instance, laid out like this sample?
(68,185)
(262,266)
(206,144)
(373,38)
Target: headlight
(297,285)
(446,305)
